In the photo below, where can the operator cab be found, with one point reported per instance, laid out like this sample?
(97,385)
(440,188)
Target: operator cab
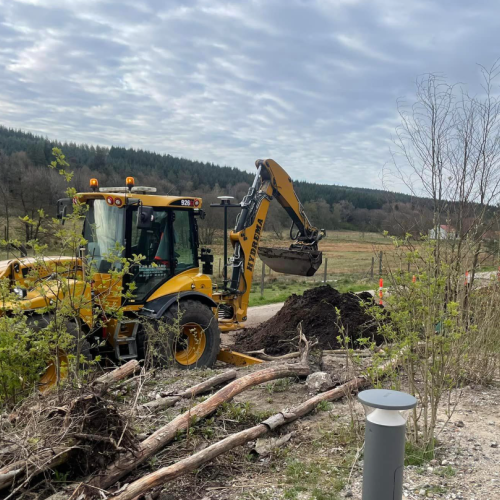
(115,228)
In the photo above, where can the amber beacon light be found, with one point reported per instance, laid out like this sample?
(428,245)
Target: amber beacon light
(130,182)
(94,184)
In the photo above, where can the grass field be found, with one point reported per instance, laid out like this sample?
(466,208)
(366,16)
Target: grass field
(349,259)
(347,255)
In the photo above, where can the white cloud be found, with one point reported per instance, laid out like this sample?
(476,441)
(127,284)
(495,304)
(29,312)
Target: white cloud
(311,83)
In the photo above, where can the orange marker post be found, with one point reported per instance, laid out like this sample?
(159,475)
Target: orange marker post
(414,279)
(380,286)
(466,278)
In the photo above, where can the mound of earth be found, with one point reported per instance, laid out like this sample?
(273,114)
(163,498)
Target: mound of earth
(316,308)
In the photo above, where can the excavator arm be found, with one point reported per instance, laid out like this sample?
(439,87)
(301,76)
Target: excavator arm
(301,258)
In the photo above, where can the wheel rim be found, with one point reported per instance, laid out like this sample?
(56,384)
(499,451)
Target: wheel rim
(49,377)
(191,344)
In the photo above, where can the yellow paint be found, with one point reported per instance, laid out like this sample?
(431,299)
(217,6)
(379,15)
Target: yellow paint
(191,280)
(191,344)
(150,200)
(275,182)
(49,377)
(236,358)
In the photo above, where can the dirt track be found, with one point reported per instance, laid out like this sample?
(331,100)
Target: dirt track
(259,314)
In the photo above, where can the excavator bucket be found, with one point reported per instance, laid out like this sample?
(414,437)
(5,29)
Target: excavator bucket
(297,262)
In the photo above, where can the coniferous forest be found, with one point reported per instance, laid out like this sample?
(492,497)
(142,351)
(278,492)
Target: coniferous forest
(27,185)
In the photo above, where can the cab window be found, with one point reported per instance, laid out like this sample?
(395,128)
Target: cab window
(152,244)
(183,241)
(168,248)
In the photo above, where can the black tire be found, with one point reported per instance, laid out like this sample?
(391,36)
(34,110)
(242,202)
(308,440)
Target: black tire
(38,322)
(190,312)
(48,378)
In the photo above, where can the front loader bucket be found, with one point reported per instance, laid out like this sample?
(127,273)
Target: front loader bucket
(298,262)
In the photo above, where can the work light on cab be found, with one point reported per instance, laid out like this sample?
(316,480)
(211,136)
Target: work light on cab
(94,184)
(130,182)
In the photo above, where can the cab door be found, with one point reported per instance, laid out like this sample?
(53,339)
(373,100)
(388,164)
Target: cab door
(168,248)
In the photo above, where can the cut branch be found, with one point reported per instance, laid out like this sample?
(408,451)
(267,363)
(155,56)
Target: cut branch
(171,399)
(48,458)
(167,433)
(292,355)
(103,383)
(191,463)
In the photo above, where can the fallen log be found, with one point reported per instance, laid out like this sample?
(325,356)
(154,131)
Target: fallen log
(43,461)
(191,463)
(171,399)
(161,476)
(363,353)
(48,458)
(167,433)
(151,445)
(104,382)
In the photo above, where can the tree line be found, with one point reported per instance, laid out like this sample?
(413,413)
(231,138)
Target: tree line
(28,186)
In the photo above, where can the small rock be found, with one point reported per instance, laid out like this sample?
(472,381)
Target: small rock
(348,494)
(421,492)
(491,422)
(433,462)
(494,445)
(459,424)
(444,462)
(319,382)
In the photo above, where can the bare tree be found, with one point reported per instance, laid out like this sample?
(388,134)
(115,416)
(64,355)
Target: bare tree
(447,149)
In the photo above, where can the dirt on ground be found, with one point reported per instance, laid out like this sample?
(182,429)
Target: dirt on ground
(325,314)
(322,457)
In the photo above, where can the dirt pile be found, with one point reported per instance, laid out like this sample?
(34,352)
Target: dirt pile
(316,308)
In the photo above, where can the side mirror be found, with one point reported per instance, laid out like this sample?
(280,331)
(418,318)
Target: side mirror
(145,217)
(62,207)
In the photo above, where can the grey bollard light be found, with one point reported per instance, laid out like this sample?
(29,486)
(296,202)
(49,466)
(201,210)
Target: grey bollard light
(384,442)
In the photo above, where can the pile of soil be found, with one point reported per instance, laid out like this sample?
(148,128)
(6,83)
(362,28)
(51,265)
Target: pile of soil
(316,308)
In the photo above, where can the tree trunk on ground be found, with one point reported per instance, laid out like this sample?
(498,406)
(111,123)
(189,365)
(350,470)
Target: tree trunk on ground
(171,399)
(103,383)
(161,476)
(154,443)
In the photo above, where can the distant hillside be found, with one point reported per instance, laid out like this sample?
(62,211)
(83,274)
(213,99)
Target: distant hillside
(178,171)
(28,185)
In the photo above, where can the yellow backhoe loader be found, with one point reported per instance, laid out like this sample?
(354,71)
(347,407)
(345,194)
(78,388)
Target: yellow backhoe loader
(168,282)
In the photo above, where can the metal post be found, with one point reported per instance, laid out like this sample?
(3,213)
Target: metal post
(225,203)
(384,443)
(224,269)
(326,268)
(262,280)
(380,263)
(373,266)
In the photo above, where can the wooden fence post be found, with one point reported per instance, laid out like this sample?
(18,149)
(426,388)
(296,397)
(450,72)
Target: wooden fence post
(380,263)
(373,266)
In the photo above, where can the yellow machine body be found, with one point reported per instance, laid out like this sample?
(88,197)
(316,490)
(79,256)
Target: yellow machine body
(228,304)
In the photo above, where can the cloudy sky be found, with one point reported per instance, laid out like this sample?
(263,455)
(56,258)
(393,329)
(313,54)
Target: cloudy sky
(310,83)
